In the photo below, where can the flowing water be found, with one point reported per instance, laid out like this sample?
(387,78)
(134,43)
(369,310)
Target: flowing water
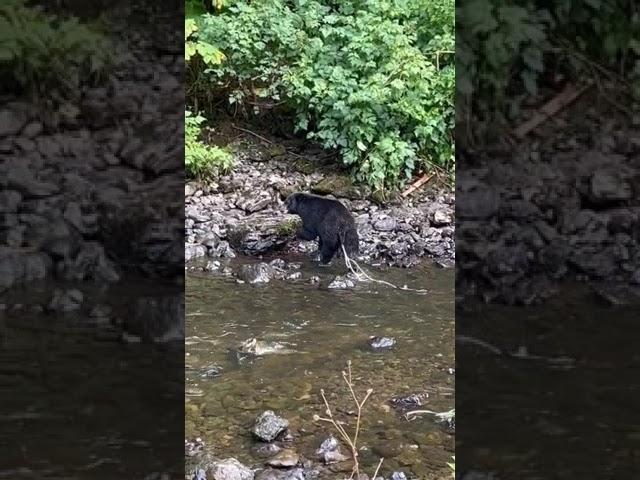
(325,329)
(567,406)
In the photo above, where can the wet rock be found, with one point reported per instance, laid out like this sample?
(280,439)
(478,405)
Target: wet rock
(268,426)
(341,282)
(409,401)
(617,295)
(268,450)
(285,458)
(65,301)
(273,474)
(329,451)
(200,474)
(211,372)
(381,343)
(398,476)
(193,251)
(256,273)
(229,469)
(193,447)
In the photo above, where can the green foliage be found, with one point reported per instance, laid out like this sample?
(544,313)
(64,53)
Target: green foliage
(372,78)
(40,52)
(202,161)
(504,48)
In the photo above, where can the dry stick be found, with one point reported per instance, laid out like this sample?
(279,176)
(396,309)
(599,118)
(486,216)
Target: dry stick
(549,109)
(361,275)
(352,443)
(253,133)
(377,469)
(563,99)
(416,185)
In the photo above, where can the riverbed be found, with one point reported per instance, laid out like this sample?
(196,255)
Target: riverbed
(325,329)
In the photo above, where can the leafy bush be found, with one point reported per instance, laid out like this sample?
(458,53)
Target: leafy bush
(40,52)
(202,161)
(506,48)
(372,78)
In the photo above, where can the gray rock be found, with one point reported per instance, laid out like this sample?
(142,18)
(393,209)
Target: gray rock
(256,273)
(341,282)
(440,218)
(229,469)
(268,426)
(274,474)
(385,223)
(192,251)
(398,476)
(380,343)
(189,190)
(65,301)
(329,451)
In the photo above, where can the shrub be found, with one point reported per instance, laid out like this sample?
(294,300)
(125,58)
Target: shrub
(202,161)
(40,52)
(506,48)
(372,78)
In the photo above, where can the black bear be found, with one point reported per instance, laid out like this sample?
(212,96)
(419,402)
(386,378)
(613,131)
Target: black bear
(327,219)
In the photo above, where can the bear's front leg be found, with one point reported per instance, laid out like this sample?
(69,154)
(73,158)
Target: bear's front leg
(306,234)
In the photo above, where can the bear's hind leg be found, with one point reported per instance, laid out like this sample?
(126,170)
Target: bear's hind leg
(327,251)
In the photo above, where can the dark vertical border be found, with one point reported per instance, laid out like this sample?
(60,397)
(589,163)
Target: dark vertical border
(547,240)
(91,240)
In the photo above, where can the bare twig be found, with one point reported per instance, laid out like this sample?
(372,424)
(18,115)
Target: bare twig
(549,109)
(351,442)
(417,184)
(253,133)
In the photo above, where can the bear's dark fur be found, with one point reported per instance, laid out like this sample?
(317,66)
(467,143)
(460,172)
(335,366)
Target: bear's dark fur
(326,219)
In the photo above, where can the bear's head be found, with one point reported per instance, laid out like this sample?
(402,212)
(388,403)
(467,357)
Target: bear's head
(292,202)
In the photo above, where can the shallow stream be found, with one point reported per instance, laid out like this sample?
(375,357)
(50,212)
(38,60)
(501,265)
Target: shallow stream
(326,329)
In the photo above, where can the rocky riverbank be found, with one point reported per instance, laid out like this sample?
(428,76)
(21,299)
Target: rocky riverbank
(84,194)
(564,205)
(243,214)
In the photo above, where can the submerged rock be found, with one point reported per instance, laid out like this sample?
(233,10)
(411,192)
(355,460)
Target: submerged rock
(284,458)
(341,282)
(65,301)
(329,451)
(268,426)
(256,273)
(381,343)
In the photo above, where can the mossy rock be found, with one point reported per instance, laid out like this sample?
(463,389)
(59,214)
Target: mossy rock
(339,186)
(276,151)
(386,197)
(304,166)
(288,227)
